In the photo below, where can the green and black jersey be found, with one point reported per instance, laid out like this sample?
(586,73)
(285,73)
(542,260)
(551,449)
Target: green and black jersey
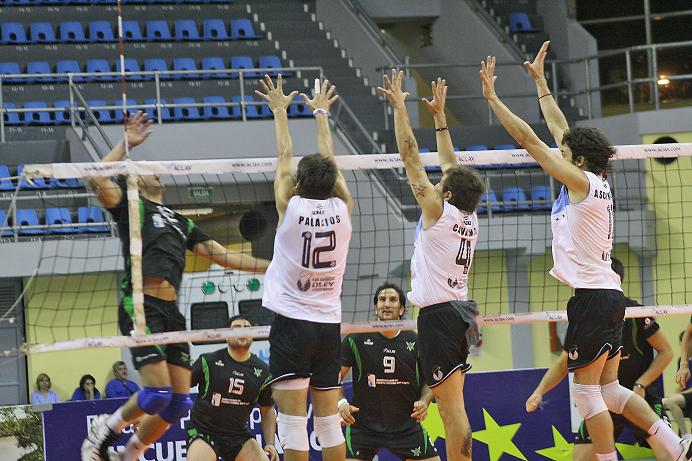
(165,237)
(386,381)
(228,391)
(637,354)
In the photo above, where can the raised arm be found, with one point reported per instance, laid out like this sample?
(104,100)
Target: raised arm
(557,123)
(284,180)
(555,374)
(559,168)
(423,191)
(217,253)
(320,105)
(107,191)
(445,147)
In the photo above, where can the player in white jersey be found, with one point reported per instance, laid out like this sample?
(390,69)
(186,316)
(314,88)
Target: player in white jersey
(582,224)
(442,257)
(303,282)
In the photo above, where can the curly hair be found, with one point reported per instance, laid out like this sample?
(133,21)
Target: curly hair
(591,144)
(315,177)
(466,186)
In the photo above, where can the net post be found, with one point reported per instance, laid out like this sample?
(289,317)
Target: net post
(136,254)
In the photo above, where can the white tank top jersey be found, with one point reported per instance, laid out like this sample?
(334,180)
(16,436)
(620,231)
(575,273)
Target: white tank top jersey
(442,257)
(303,280)
(583,236)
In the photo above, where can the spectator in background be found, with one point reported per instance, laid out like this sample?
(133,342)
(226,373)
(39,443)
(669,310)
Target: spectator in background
(43,394)
(86,390)
(120,386)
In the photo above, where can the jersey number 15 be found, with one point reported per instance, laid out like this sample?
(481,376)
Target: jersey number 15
(236,386)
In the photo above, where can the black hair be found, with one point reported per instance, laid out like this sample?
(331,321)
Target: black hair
(315,177)
(84,378)
(466,186)
(618,267)
(395,287)
(591,144)
(237,317)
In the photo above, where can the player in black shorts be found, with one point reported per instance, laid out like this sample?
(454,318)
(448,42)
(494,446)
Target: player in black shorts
(680,405)
(639,369)
(390,397)
(230,381)
(165,370)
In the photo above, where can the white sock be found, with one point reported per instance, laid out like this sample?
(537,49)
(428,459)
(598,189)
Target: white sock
(666,437)
(116,422)
(607,456)
(134,448)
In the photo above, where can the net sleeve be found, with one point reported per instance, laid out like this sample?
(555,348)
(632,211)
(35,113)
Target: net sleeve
(195,235)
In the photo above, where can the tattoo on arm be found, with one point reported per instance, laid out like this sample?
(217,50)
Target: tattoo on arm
(418,190)
(410,142)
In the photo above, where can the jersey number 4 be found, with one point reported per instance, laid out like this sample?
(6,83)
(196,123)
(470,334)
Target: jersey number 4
(464,255)
(310,255)
(236,386)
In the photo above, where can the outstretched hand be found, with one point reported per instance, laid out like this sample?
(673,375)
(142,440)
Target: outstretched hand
(535,68)
(488,77)
(392,89)
(439,96)
(137,128)
(322,99)
(274,95)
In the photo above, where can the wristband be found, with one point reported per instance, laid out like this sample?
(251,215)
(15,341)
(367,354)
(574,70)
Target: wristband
(129,146)
(341,402)
(441,129)
(640,386)
(319,111)
(547,94)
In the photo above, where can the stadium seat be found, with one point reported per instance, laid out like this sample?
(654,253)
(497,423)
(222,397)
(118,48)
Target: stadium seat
(185,64)
(13,33)
(10,68)
(152,111)
(89,215)
(185,30)
(39,68)
(214,63)
(505,147)
(66,183)
(488,195)
(520,22)
(241,29)
(4,223)
(423,150)
(68,67)
(243,62)
(97,66)
(11,118)
(59,216)
(298,108)
(157,31)
(18,2)
(72,32)
(216,112)
(131,109)
(132,65)
(5,181)
(42,32)
(476,147)
(63,117)
(101,31)
(251,111)
(102,115)
(511,196)
(36,183)
(271,62)
(28,217)
(543,196)
(186,113)
(214,29)
(157,64)
(132,31)
(37,117)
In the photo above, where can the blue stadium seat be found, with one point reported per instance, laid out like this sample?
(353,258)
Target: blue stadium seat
(152,111)
(97,66)
(132,31)
(216,112)
(66,183)
(271,62)
(157,30)
(186,113)
(13,33)
(89,215)
(476,147)
(28,217)
(520,22)
(157,64)
(72,32)
(62,118)
(424,150)
(511,196)
(214,63)
(59,216)
(243,62)
(11,118)
(541,198)
(42,32)
(68,66)
(241,29)
(131,109)
(214,29)
(102,115)
(505,146)
(10,68)
(185,64)
(132,65)
(185,30)
(37,117)
(36,183)
(5,181)
(4,223)
(251,112)
(101,31)
(298,108)
(39,68)
(489,194)
(18,2)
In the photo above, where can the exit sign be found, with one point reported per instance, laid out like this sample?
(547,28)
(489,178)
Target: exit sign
(200,192)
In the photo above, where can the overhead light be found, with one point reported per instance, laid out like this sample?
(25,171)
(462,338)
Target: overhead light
(196,211)
(663,80)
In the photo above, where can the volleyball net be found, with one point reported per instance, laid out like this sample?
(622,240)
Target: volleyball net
(52,222)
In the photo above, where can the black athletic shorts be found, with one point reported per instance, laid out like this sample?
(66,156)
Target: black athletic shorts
(226,446)
(620,423)
(303,349)
(442,342)
(160,316)
(687,411)
(364,444)
(595,325)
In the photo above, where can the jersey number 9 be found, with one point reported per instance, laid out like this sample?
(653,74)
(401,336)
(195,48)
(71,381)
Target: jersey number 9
(389,363)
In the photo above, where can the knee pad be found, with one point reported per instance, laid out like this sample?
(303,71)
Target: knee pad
(328,430)
(588,399)
(178,408)
(615,396)
(294,432)
(153,400)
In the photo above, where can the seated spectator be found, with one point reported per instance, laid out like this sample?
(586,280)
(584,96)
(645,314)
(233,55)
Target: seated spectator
(43,394)
(120,386)
(86,390)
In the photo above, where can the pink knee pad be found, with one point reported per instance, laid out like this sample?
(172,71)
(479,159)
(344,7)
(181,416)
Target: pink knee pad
(588,399)
(615,396)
